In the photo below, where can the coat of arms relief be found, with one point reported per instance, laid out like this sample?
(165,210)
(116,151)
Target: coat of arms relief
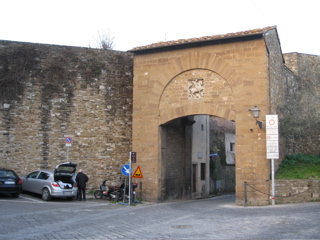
(195,88)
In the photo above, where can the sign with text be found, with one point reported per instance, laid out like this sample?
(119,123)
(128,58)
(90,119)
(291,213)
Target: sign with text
(133,157)
(272,136)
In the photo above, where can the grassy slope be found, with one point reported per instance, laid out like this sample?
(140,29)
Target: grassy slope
(299,166)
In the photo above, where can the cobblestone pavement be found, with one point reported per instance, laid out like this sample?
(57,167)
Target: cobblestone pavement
(212,218)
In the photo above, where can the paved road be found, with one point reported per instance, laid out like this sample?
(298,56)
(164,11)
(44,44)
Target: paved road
(213,218)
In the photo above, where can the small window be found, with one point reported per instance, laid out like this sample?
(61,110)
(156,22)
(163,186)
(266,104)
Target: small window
(231,147)
(203,171)
(202,128)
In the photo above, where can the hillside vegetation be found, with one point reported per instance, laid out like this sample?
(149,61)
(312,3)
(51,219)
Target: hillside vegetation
(299,166)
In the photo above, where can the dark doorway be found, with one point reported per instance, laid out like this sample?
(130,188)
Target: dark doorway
(176,178)
(194,181)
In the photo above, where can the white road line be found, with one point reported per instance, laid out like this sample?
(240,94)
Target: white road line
(18,201)
(31,199)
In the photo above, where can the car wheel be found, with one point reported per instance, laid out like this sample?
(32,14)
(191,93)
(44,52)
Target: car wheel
(15,195)
(46,194)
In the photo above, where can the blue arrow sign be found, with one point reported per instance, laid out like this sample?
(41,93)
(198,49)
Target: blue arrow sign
(125,169)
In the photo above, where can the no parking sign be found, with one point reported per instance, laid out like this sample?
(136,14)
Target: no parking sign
(68,141)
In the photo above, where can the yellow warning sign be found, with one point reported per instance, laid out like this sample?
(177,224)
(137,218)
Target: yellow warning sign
(137,173)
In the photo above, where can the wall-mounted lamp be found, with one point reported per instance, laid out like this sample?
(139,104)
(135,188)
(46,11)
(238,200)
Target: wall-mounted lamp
(255,111)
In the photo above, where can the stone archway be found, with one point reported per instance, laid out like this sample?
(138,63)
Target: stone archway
(186,97)
(232,83)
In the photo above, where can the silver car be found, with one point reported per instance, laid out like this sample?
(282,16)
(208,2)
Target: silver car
(58,183)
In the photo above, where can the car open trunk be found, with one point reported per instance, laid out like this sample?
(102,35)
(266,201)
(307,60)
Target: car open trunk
(64,182)
(64,175)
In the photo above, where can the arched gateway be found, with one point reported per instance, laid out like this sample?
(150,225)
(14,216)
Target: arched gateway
(222,76)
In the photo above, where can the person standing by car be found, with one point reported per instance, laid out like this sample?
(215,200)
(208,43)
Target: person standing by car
(81,180)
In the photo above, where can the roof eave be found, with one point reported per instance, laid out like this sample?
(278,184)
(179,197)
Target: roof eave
(196,42)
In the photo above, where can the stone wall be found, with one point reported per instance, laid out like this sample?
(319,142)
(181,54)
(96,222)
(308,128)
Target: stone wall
(276,73)
(223,180)
(301,126)
(176,171)
(222,171)
(48,93)
(296,191)
(276,83)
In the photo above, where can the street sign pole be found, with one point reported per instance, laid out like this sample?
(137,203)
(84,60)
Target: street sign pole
(130,179)
(132,159)
(126,171)
(272,182)
(67,154)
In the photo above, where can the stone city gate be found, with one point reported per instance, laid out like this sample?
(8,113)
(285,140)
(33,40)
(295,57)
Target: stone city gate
(222,76)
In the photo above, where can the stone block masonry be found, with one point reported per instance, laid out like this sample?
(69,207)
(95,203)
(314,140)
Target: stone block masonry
(297,191)
(48,93)
(303,102)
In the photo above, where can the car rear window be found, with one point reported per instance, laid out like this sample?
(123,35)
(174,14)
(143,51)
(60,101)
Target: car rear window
(7,173)
(65,168)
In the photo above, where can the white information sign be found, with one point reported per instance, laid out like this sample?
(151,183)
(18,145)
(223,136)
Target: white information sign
(272,133)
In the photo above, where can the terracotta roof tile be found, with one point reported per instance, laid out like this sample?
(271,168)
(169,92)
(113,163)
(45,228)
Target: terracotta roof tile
(203,39)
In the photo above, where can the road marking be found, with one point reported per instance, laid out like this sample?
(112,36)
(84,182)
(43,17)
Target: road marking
(9,200)
(32,199)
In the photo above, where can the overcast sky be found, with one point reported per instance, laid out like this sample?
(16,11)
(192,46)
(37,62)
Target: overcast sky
(135,23)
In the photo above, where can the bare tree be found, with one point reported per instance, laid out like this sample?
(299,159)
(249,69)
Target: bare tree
(105,41)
